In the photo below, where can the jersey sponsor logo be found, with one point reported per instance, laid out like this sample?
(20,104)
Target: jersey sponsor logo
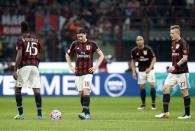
(115,85)
(143,59)
(83,56)
(175,54)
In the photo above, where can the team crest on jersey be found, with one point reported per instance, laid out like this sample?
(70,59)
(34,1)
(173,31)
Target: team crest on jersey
(145,52)
(177,46)
(88,47)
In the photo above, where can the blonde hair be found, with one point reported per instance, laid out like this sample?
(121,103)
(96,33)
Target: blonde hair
(174,27)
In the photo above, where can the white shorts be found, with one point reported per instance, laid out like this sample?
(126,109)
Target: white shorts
(28,76)
(83,81)
(143,77)
(181,79)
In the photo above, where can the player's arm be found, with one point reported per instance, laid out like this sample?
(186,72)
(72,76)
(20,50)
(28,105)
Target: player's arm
(151,65)
(17,63)
(68,60)
(183,60)
(133,66)
(100,59)
(152,55)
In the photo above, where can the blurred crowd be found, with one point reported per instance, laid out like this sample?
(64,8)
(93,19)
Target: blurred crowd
(99,16)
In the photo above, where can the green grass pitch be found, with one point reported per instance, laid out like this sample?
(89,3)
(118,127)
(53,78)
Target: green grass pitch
(108,114)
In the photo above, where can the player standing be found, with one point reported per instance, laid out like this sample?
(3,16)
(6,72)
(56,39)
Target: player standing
(178,73)
(84,49)
(146,59)
(26,69)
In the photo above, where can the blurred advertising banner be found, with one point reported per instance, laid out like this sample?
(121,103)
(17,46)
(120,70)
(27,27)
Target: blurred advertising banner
(10,24)
(104,84)
(46,23)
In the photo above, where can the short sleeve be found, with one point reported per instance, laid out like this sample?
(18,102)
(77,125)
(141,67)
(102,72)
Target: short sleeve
(133,56)
(71,50)
(95,48)
(185,48)
(151,52)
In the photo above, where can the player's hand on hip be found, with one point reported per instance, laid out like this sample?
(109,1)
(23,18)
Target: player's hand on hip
(92,69)
(148,70)
(73,69)
(15,75)
(134,75)
(171,69)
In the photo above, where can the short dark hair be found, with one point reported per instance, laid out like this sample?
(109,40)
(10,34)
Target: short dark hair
(24,27)
(82,30)
(174,27)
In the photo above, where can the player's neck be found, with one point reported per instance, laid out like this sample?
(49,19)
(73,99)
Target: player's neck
(140,47)
(178,39)
(84,41)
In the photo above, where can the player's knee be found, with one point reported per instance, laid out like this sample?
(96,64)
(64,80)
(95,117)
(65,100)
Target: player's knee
(86,91)
(36,90)
(165,90)
(151,85)
(142,86)
(18,90)
(184,92)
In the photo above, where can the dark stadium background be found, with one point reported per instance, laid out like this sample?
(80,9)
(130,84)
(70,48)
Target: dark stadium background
(114,24)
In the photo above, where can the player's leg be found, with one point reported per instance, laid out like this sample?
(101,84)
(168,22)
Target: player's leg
(81,99)
(151,80)
(34,83)
(153,95)
(38,101)
(143,97)
(184,86)
(166,100)
(166,97)
(141,82)
(86,89)
(78,83)
(86,102)
(169,83)
(21,81)
(18,97)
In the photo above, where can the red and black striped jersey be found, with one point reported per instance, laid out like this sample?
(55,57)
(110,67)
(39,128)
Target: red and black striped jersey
(84,55)
(179,49)
(143,57)
(31,50)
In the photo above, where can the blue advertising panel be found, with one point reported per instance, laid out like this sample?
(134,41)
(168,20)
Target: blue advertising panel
(104,84)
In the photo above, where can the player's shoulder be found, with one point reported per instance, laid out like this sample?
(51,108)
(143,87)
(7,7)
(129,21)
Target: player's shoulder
(20,40)
(148,47)
(134,49)
(92,42)
(183,41)
(75,42)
